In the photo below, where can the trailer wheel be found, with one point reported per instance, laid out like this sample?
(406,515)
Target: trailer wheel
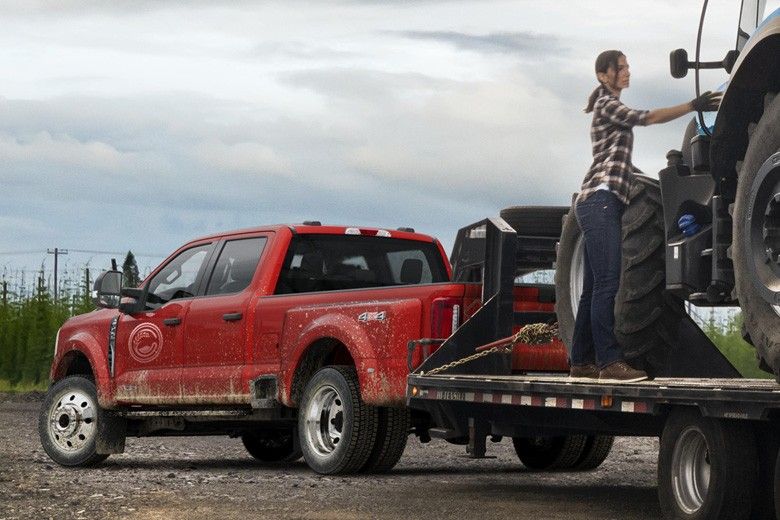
(756,237)
(273,445)
(542,221)
(392,434)
(642,312)
(596,451)
(706,468)
(336,428)
(69,422)
(549,453)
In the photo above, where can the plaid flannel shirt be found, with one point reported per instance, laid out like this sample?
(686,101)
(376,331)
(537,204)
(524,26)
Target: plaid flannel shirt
(613,140)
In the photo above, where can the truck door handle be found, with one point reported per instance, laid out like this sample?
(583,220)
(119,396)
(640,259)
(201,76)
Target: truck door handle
(172,322)
(232,316)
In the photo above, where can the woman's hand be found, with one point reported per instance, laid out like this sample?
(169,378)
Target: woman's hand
(707,102)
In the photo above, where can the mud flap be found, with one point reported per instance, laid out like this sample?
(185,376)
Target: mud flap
(112,431)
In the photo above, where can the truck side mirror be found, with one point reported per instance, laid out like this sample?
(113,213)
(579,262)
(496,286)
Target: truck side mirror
(678,63)
(107,291)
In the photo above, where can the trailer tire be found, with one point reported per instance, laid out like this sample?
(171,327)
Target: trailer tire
(707,468)
(390,442)
(761,319)
(595,452)
(535,221)
(336,428)
(70,421)
(273,445)
(549,453)
(643,314)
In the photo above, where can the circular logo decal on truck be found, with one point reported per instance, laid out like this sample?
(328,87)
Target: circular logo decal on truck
(145,342)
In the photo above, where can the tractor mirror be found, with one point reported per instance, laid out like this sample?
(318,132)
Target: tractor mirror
(678,63)
(730,60)
(107,291)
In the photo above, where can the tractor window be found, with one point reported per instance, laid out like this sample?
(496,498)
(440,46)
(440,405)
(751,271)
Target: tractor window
(340,262)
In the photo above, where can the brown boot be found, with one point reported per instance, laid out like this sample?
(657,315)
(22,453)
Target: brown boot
(590,371)
(621,372)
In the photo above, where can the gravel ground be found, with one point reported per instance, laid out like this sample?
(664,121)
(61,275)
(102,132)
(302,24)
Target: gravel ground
(213,477)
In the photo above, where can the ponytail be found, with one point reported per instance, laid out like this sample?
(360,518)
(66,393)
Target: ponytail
(592,100)
(604,61)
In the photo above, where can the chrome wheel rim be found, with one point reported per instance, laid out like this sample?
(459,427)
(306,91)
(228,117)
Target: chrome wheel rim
(72,421)
(576,274)
(691,470)
(325,421)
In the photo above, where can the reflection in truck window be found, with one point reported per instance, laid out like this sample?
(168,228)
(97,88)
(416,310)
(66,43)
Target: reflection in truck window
(339,262)
(236,266)
(179,276)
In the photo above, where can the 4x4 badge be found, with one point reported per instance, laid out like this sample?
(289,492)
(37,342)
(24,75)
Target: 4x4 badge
(372,316)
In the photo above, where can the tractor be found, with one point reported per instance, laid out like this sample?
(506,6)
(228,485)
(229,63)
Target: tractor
(707,231)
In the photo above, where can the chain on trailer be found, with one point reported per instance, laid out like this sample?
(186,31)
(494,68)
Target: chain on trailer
(532,334)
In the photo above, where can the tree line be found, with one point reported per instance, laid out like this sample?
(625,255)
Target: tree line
(31,317)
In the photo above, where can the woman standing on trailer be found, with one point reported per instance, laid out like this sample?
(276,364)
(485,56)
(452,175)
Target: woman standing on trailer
(599,206)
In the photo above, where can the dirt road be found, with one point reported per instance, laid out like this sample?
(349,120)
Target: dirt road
(213,478)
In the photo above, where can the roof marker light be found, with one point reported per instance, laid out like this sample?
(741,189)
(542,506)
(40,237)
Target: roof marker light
(383,233)
(352,231)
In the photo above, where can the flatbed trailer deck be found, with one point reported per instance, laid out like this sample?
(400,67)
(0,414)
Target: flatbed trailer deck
(719,433)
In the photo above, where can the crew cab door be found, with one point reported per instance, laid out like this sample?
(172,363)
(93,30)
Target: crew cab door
(149,343)
(219,325)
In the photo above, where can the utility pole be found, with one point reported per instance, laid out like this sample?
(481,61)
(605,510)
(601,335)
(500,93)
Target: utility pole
(56,252)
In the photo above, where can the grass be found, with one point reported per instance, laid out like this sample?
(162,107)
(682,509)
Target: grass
(22,388)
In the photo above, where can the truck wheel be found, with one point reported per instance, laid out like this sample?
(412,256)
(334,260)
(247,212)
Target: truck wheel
(706,468)
(336,428)
(391,436)
(596,451)
(68,422)
(756,237)
(272,445)
(642,313)
(542,221)
(549,453)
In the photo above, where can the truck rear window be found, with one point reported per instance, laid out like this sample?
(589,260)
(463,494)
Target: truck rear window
(338,262)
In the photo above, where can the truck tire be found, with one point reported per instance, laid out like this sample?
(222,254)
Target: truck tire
(749,250)
(69,422)
(706,467)
(391,436)
(272,445)
(549,453)
(642,312)
(336,428)
(544,221)
(596,451)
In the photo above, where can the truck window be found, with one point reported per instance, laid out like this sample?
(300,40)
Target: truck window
(236,265)
(179,276)
(338,262)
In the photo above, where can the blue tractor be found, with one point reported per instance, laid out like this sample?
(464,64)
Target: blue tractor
(708,231)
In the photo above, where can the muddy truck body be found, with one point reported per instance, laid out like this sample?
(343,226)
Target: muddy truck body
(293,338)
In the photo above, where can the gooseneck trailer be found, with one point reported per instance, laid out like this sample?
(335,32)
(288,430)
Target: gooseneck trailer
(718,431)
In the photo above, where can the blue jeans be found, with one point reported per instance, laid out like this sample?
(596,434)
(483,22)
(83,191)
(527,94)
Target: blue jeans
(594,341)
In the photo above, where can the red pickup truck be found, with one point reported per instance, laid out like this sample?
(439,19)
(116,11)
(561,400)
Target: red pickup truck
(292,337)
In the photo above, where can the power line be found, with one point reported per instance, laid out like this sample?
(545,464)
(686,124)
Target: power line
(88,251)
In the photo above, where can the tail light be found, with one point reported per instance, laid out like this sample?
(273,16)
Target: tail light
(445,316)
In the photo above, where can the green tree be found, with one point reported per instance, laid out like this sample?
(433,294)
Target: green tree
(130,271)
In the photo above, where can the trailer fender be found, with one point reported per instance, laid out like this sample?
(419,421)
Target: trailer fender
(756,72)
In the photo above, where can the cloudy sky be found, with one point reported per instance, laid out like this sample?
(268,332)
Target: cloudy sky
(141,125)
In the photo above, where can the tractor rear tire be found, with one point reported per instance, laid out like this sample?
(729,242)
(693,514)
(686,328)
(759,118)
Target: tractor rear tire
(643,314)
(761,319)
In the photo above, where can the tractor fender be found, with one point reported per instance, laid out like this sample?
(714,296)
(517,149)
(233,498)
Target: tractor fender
(756,72)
